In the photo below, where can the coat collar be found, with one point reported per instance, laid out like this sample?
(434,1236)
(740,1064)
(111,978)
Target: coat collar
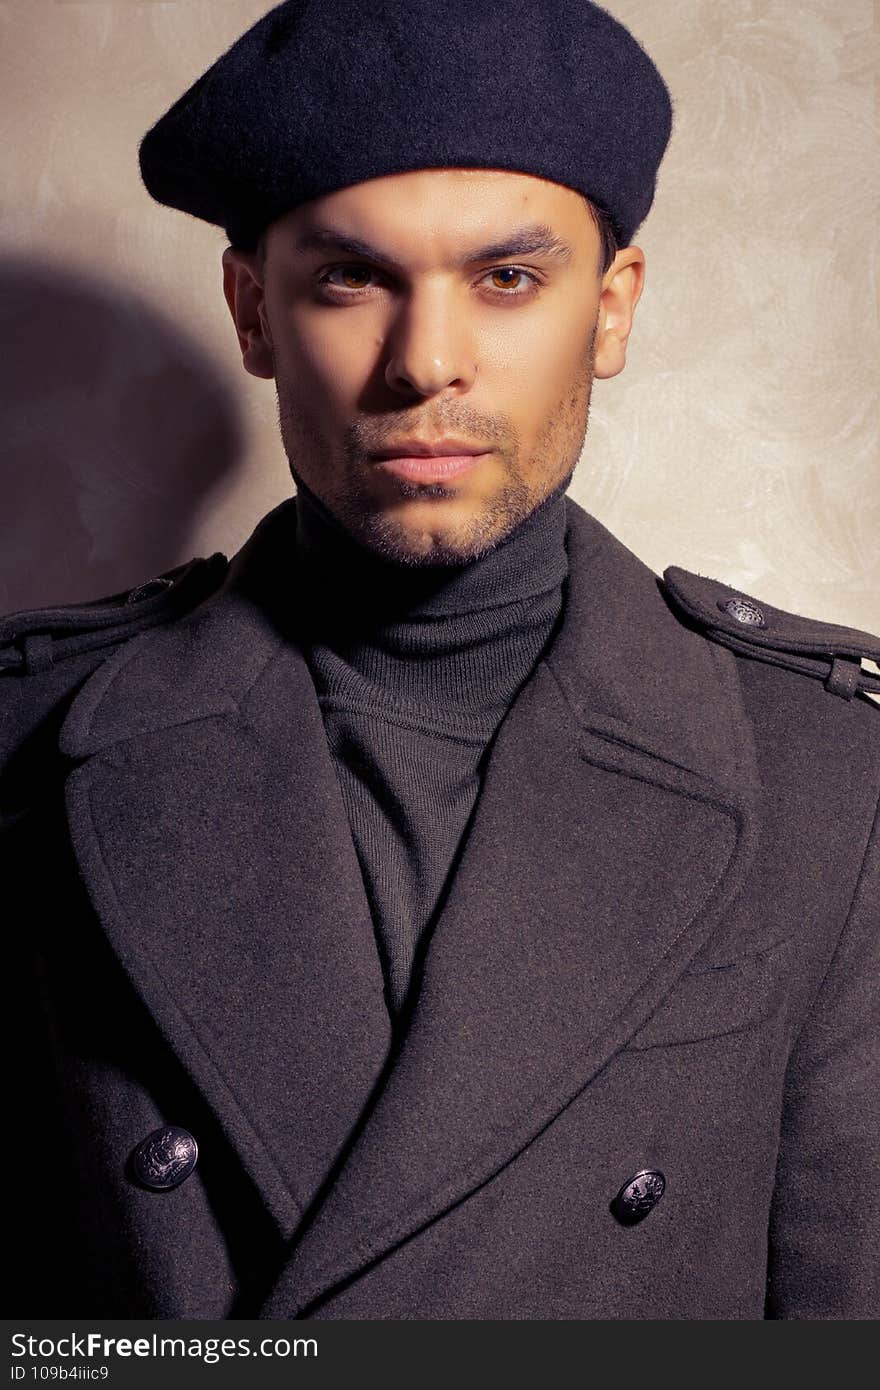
(623,656)
(614,825)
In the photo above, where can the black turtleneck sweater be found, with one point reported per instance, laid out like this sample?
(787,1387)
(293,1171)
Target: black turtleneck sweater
(414,669)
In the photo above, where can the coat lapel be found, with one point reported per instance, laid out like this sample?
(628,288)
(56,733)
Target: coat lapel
(613,828)
(205,816)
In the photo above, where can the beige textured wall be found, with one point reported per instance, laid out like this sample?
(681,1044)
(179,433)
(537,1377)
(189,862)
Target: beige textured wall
(741,441)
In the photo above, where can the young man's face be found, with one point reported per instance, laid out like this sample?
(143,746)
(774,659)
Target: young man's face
(434,327)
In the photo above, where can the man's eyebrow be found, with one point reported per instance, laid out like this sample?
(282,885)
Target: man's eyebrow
(531,239)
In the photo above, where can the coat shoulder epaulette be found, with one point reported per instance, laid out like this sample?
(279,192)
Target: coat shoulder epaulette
(838,656)
(36,639)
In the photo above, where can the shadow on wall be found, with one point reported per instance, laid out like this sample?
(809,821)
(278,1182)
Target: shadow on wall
(117,432)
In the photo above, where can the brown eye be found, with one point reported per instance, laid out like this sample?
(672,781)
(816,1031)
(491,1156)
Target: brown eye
(507,270)
(349,273)
(353,273)
(511,278)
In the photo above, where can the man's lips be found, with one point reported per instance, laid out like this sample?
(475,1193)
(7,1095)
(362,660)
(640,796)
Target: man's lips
(433,468)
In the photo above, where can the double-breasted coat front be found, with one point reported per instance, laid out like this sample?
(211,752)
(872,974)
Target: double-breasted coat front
(658,954)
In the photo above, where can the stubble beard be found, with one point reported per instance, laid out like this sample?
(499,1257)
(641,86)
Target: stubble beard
(348,496)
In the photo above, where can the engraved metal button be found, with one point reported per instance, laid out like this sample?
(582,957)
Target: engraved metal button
(165,1158)
(150,589)
(743,611)
(639,1196)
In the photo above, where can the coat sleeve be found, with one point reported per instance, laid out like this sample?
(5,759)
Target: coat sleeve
(824,1250)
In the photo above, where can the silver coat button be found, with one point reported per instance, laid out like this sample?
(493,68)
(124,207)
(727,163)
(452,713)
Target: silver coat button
(165,1158)
(639,1196)
(743,611)
(150,589)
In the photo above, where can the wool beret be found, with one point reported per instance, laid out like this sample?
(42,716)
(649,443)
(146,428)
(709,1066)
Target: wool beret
(321,94)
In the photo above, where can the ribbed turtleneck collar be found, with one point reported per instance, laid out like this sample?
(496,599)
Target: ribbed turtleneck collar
(435,642)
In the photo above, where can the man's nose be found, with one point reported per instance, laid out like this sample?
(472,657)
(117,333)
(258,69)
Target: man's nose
(430,349)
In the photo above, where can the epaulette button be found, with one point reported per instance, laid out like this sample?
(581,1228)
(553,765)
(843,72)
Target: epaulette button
(743,611)
(149,589)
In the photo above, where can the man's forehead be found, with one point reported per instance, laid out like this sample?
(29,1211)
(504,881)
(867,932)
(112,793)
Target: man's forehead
(465,215)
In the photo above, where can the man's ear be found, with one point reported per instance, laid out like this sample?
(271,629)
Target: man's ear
(243,286)
(622,285)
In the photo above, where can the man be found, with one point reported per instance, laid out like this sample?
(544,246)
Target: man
(431,914)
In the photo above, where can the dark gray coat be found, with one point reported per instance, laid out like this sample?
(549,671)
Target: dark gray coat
(660,952)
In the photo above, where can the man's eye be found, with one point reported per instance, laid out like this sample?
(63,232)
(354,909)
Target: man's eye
(350,271)
(511,291)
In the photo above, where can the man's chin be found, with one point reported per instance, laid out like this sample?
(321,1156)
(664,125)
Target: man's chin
(420,548)
(417,537)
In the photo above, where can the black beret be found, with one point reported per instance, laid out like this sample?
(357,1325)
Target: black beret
(320,94)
